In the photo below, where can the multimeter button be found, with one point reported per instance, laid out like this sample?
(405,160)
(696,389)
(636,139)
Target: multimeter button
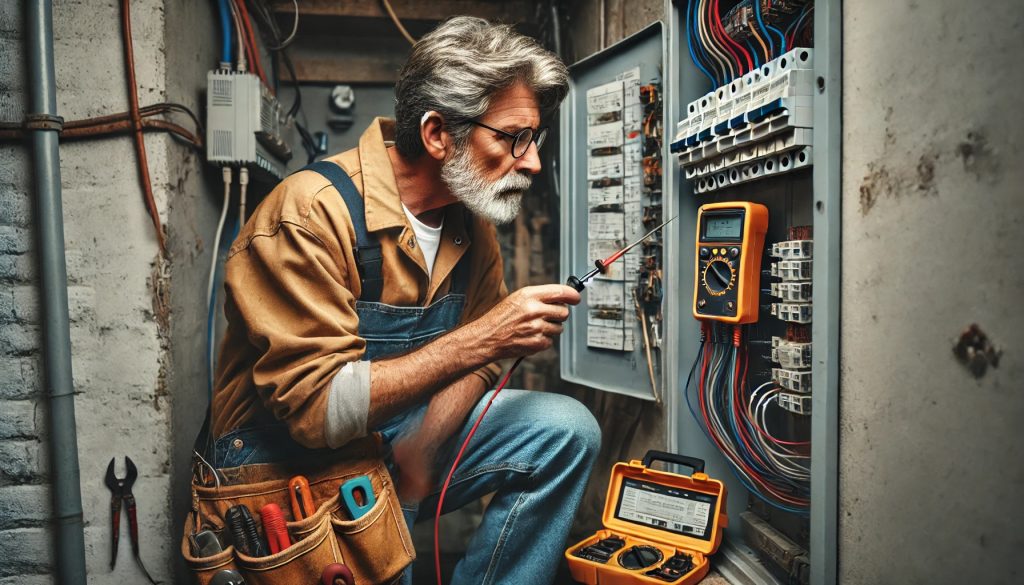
(730,306)
(704,252)
(734,252)
(701,303)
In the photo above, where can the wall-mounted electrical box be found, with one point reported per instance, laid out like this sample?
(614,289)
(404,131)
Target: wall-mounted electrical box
(612,194)
(245,125)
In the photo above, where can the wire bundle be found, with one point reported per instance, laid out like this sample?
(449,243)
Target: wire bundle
(734,419)
(719,56)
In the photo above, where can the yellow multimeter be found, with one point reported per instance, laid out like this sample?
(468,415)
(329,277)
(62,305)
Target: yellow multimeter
(730,242)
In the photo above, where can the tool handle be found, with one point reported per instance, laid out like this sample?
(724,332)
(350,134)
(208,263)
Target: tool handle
(301,497)
(133,523)
(696,464)
(274,528)
(349,490)
(115,525)
(337,574)
(575,283)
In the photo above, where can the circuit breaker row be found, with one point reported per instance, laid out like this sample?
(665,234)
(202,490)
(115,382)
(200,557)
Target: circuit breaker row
(758,125)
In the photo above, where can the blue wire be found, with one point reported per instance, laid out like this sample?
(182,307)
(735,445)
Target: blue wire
(226,29)
(693,55)
(760,24)
(754,53)
(700,46)
(781,36)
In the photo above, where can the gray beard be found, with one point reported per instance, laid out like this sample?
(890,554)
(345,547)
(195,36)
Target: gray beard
(498,201)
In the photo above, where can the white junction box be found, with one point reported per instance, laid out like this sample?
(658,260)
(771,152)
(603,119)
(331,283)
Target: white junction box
(245,124)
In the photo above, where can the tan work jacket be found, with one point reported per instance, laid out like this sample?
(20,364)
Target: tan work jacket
(292,284)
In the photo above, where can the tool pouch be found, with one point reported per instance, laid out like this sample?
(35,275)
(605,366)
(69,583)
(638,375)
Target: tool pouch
(376,547)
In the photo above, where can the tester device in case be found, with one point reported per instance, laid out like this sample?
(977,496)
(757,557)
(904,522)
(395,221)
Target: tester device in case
(659,527)
(730,242)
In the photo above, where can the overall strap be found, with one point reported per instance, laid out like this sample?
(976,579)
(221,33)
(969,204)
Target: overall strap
(368,256)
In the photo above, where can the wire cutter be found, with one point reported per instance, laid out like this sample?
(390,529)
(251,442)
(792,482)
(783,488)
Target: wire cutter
(121,490)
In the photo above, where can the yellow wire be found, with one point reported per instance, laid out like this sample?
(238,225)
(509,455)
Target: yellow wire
(753,29)
(398,23)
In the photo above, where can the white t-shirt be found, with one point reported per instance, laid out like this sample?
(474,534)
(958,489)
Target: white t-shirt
(428,238)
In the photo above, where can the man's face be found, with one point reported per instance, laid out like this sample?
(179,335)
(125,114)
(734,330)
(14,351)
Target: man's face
(484,175)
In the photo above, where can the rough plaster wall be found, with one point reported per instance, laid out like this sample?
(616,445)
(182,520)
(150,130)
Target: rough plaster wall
(119,316)
(931,459)
(194,206)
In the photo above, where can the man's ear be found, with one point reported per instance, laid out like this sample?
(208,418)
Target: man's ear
(434,135)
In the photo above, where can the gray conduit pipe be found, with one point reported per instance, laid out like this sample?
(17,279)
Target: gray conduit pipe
(43,123)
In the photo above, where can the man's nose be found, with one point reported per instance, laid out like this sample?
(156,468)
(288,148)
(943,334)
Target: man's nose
(530,161)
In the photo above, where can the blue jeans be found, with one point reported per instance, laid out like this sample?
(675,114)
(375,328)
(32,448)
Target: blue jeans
(534,451)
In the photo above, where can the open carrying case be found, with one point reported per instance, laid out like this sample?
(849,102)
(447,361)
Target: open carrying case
(659,527)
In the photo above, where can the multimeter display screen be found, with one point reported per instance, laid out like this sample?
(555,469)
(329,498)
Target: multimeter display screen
(719,227)
(666,508)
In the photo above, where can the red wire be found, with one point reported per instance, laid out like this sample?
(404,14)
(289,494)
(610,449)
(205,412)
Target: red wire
(455,465)
(251,46)
(714,23)
(742,50)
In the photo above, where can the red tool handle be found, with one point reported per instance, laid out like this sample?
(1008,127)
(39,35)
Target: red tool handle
(301,498)
(133,524)
(274,528)
(337,574)
(115,522)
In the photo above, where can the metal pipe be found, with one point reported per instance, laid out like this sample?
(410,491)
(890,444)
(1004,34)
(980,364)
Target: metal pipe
(44,126)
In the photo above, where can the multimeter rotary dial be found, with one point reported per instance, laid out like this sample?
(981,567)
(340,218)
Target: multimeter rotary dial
(719,276)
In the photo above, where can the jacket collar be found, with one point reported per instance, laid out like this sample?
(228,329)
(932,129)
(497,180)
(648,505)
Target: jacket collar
(380,191)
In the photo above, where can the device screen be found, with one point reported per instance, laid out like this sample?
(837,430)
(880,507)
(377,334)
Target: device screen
(723,227)
(676,510)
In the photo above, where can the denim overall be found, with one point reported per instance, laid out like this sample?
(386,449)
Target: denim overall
(387,329)
(534,451)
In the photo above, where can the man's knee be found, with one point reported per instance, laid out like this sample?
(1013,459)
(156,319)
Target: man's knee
(571,423)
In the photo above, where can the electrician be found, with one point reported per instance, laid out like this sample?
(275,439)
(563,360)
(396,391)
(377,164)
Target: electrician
(366,295)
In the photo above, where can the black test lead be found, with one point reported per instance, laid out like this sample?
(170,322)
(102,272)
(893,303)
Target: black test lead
(602,265)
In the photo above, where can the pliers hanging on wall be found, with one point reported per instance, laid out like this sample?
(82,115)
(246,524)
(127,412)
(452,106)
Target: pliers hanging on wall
(121,490)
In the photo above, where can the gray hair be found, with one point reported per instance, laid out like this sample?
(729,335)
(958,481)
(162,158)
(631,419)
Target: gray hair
(457,68)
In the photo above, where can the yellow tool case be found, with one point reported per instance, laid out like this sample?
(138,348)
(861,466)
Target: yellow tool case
(659,527)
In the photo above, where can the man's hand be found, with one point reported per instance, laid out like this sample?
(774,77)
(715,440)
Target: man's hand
(528,320)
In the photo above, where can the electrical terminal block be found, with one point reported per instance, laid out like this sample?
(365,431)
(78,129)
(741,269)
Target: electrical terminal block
(792,312)
(795,403)
(795,380)
(792,269)
(793,250)
(245,124)
(790,354)
(766,113)
(792,292)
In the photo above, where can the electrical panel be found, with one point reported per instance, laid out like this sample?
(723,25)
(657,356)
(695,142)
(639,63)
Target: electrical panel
(612,195)
(747,130)
(245,124)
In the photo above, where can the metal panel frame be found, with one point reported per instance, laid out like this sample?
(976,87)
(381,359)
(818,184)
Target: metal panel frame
(684,83)
(571,160)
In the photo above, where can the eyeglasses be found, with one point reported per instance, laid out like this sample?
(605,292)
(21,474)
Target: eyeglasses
(520,140)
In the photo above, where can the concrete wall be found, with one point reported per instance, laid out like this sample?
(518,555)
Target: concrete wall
(931,458)
(119,304)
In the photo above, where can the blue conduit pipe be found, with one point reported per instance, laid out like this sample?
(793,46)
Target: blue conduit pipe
(225,31)
(43,125)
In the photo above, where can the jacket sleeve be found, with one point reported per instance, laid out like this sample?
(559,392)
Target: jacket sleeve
(486,290)
(291,290)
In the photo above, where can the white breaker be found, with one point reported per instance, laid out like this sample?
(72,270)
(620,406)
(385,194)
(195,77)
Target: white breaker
(758,125)
(795,403)
(795,380)
(791,354)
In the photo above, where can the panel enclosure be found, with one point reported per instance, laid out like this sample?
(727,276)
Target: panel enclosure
(807,197)
(609,370)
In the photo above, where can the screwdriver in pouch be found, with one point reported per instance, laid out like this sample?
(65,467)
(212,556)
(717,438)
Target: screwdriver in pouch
(579,283)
